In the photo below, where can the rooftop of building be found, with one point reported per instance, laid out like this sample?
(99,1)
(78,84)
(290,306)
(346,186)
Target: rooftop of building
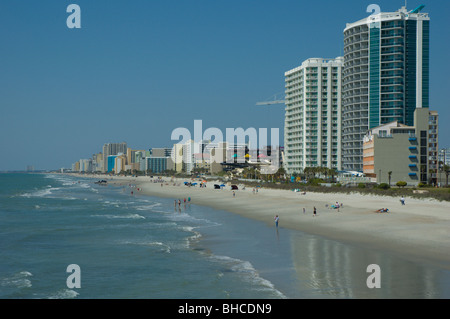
(313,62)
(401,14)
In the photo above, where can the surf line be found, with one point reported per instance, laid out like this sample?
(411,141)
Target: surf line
(195,309)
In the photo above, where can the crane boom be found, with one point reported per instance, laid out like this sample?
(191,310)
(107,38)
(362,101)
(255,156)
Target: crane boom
(271,102)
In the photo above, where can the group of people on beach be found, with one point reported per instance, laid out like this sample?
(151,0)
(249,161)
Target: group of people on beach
(179,203)
(277,218)
(386,210)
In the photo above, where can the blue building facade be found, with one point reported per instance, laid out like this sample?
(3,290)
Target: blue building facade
(157,164)
(111,163)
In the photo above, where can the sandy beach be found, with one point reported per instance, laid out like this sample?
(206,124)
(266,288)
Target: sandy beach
(420,229)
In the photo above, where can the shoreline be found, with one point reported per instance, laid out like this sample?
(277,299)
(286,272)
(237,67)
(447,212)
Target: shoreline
(420,230)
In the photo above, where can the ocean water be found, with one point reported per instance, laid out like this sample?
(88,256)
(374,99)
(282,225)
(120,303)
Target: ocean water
(136,246)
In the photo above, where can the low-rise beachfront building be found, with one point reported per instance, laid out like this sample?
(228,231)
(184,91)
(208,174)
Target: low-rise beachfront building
(157,165)
(159,160)
(202,162)
(133,159)
(120,163)
(218,153)
(396,152)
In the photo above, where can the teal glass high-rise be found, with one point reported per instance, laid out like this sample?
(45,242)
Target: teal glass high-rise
(386,75)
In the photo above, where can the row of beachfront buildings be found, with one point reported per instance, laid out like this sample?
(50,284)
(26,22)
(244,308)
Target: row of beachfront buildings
(369,110)
(186,158)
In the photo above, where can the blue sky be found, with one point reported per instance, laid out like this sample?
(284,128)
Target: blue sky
(137,70)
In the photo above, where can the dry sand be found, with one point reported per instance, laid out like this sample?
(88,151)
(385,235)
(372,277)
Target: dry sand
(420,229)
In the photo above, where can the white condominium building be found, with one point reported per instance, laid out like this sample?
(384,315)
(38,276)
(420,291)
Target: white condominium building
(312,135)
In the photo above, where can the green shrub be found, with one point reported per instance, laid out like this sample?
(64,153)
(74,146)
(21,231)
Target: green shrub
(422,185)
(315,181)
(384,186)
(401,184)
(338,185)
(361,185)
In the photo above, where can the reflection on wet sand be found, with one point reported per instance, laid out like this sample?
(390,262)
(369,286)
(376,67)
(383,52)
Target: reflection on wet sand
(330,269)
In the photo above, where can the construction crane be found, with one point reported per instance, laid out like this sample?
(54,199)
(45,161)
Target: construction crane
(418,9)
(274,100)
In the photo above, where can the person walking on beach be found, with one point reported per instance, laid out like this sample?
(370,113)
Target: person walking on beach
(304,210)
(402,200)
(234,194)
(189,200)
(315,212)
(277,219)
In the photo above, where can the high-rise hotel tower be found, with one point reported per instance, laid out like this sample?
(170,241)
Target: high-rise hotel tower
(386,75)
(312,134)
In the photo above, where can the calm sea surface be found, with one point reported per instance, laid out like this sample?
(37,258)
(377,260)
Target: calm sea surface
(134,246)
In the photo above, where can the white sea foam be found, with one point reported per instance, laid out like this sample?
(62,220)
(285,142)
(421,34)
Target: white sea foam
(18,280)
(162,246)
(128,216)
(64,294)
(147,207)
(249,274)
(39,193)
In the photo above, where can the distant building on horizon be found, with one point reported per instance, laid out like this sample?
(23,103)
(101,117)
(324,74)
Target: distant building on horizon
(112,149)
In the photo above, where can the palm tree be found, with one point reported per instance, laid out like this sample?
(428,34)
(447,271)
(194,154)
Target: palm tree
(332,172)
(307,171)
(280,173)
